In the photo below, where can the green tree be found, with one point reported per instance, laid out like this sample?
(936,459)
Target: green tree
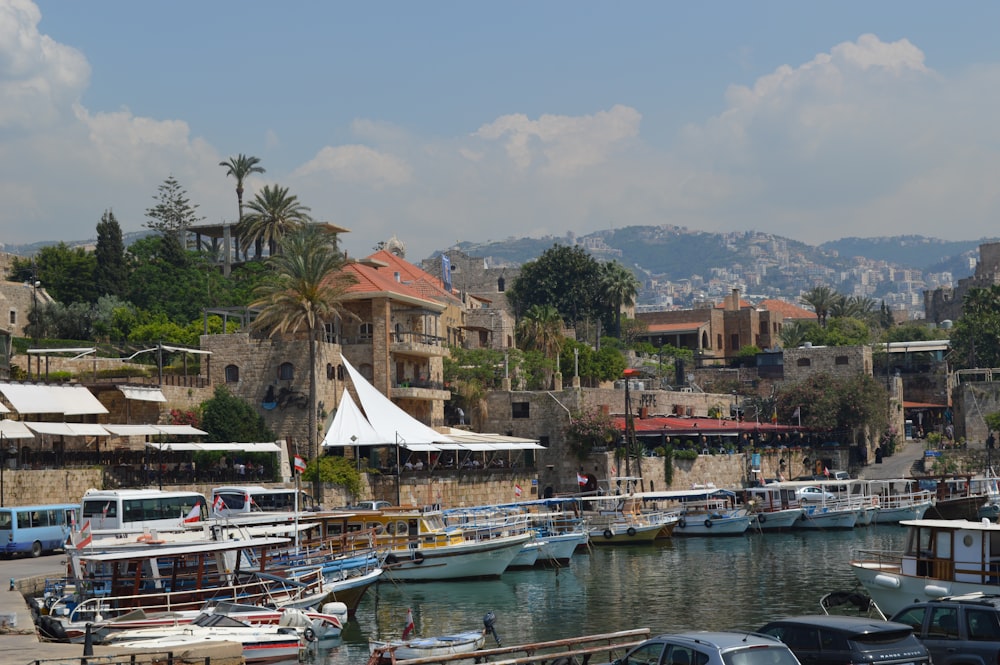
(912,332)
(975,339)
(307,291)
(336,470)
(274,213)
(618,288)
(588,430)
(164,279)
(846,331)
(173,213)
(111,269)
(541,329)
(821,299)
(847,405)
(566,278)
(228,418)
(795,334)
(241,167)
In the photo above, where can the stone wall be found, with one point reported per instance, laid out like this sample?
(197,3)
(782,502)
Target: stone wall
(25,488)
(838,361)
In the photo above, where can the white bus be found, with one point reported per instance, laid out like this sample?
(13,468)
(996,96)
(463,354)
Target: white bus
(129,511)
(244,499)
(35,529)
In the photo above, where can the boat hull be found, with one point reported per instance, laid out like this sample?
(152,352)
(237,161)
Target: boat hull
(470,560)
(559,548)
(895,515)
(621,534)
(776,520)
(446,645)
(817,517)
(257,648)
(712,526)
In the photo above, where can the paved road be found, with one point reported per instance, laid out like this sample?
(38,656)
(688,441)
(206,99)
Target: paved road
(899,465)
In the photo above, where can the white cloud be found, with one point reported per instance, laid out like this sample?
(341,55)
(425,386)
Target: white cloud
(357,164)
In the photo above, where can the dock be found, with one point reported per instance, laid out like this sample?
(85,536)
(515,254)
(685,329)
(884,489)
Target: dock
(556,652)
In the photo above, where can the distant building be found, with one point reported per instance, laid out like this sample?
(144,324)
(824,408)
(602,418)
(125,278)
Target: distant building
(945,303)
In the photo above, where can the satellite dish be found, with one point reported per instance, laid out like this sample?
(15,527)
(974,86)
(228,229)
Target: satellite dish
(690,378)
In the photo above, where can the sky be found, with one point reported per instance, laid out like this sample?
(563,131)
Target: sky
(446,121)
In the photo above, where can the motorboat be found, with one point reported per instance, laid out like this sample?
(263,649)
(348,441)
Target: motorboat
(404,648)
(261,643)
(323,625)
(701,511)
(619,520)
(773,508)
(898,500)
(826,504)
(940,558)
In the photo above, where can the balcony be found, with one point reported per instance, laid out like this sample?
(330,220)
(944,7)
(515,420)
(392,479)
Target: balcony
(417,344)
(418,389)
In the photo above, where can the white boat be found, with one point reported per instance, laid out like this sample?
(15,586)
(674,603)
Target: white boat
(898,500)
(261,643)
(702,511)
(828,517)
(323,625)
(426,647)
(619,520)
(772,508)
(527,557)
(940,558)
(827,504)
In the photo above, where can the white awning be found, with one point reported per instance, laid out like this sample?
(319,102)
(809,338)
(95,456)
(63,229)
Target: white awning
(143,393)
(202,447)
(4,409)
(471,441)
(154,430)
(67,429)
(14,429)
(67,400)
(421,447)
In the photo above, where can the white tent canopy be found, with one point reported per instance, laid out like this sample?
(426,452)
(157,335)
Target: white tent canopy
(14,429)
(154,430)
(36,398)
(67,429)
(143,393)
(391,423)
(350,428)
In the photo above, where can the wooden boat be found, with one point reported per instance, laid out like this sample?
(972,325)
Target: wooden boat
(620,520)
(956,497)
(261,643)
(773,508)
(940,558)
(427,647)
(173,578)
(702,511)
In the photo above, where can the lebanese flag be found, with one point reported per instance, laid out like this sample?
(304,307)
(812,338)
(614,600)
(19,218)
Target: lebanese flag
(194,515)
(581,479)
(218,505)
(408,628)
(86,537)
(300,464)
(826,472)
(517,490)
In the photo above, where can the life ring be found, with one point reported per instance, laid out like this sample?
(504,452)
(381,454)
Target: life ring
(391,560)
(761,518)
(608,534)
(631,531)
(309,634)
(418,556)
(682,523)
(708,524)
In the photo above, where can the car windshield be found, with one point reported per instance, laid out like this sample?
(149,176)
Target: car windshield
(760,655)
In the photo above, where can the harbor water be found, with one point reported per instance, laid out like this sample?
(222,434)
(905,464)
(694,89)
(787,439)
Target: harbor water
(680,584)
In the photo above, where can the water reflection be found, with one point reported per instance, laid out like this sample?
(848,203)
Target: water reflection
(695,583)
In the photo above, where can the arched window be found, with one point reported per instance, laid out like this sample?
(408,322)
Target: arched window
(286,372)
(232,374)
(340,372)
(329,372)
(501,284)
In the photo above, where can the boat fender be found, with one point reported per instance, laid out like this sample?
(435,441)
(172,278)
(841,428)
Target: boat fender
(418,557)
(631,531)
(391,560)
(936,591)
(761,518)
(608,534)
(708,524)
(309,634)
(682,522)
(52,628)
(887,581)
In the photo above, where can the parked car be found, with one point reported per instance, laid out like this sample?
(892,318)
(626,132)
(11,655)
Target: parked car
(706,648)
(371,505)
(957,629)
(835,640)
(813,493)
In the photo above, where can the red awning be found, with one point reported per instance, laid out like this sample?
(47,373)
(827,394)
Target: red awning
(923,405)
(707,426)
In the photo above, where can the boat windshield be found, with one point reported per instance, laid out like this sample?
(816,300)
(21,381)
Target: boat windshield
(919,542)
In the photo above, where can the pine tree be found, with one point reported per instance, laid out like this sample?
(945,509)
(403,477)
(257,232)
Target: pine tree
(174,212)
(111,271)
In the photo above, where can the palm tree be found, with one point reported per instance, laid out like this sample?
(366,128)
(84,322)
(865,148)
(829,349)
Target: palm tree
(541,329)
(619,287)
(307,291)
(274,214)
(240,167)
(794,334)
(821,298)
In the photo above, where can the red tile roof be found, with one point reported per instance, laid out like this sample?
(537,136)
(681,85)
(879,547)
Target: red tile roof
(786,309)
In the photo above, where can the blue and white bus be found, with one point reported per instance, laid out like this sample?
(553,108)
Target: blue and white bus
(135,511)
(244,499)
(36,529)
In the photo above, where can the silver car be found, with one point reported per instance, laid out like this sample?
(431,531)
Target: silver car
(707,648)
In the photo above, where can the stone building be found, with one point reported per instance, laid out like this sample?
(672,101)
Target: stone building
(945,303)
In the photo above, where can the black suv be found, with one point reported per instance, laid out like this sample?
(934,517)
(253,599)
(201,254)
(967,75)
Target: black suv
(835,640)
(959,629)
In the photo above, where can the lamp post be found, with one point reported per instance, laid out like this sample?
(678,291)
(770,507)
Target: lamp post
(3,463)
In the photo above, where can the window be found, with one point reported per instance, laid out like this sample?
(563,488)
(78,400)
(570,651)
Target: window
(330,373)
(286,372)
(519,410)
(983,625)
(330,332)
(734,342)
(646,654)
(13,317)
(232,374)
(803,362)
(944,623)
(841,360)
(913,617)
(340,372)
(365,332)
